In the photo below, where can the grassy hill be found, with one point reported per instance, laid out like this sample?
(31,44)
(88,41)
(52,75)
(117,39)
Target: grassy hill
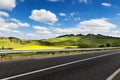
(13,43)
(89,40)
(9,42)
(65,41)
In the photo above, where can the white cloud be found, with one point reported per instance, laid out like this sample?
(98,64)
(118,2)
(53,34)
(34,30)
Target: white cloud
(96,25)
(11,24)
(40,33)
(10,27)
(20,23)
(106,4)
(102,22)
(41,30)
(16,31)
(43,16)
(63,31)
(6,26)
(62,14)
(4,14)
(7,4)
(115,33)
(89,26)
(101,26)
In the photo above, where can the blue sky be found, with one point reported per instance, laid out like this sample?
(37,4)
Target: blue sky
(41,19)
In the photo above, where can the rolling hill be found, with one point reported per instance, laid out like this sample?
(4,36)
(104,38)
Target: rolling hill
(65,41)
(89,40)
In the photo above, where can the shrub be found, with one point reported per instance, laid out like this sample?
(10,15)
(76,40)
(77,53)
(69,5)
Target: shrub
(108,45)
(101,45)
(3,47)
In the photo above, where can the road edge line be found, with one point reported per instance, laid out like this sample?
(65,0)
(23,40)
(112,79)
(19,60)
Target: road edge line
(112,76)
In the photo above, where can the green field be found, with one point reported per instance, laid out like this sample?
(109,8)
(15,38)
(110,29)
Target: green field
(61,42)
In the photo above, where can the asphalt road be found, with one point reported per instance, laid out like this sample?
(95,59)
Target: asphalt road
(91,66)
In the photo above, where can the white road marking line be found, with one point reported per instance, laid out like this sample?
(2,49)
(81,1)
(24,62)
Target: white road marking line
(57,66)
(111,77)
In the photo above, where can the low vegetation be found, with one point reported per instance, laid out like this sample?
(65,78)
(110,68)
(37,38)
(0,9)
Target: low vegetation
(85,41)
(17,56)
(65,41)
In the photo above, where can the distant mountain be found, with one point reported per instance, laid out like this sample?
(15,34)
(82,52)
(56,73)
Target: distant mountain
(89,40)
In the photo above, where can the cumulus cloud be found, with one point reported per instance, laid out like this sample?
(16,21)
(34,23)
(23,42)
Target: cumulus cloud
(40,33)
(7,4)
(5,14)
(106,4)
(6,26)
(115,33)
(102,22)
(16,31)
(43,16)
(62,14)
(89,26)
(101,26)
(95,26)
(20,23)
(41,30)
(11,24)
(63,31)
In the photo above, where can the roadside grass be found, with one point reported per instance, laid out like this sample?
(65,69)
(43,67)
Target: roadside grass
(27,55)
(14,56)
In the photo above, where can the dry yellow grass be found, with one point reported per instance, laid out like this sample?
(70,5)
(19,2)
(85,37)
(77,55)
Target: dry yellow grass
(36,47)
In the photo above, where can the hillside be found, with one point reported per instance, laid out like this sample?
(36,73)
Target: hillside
(65,41)
(12,42)
(89,40)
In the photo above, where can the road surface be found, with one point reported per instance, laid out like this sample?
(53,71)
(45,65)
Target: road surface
(91,66)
